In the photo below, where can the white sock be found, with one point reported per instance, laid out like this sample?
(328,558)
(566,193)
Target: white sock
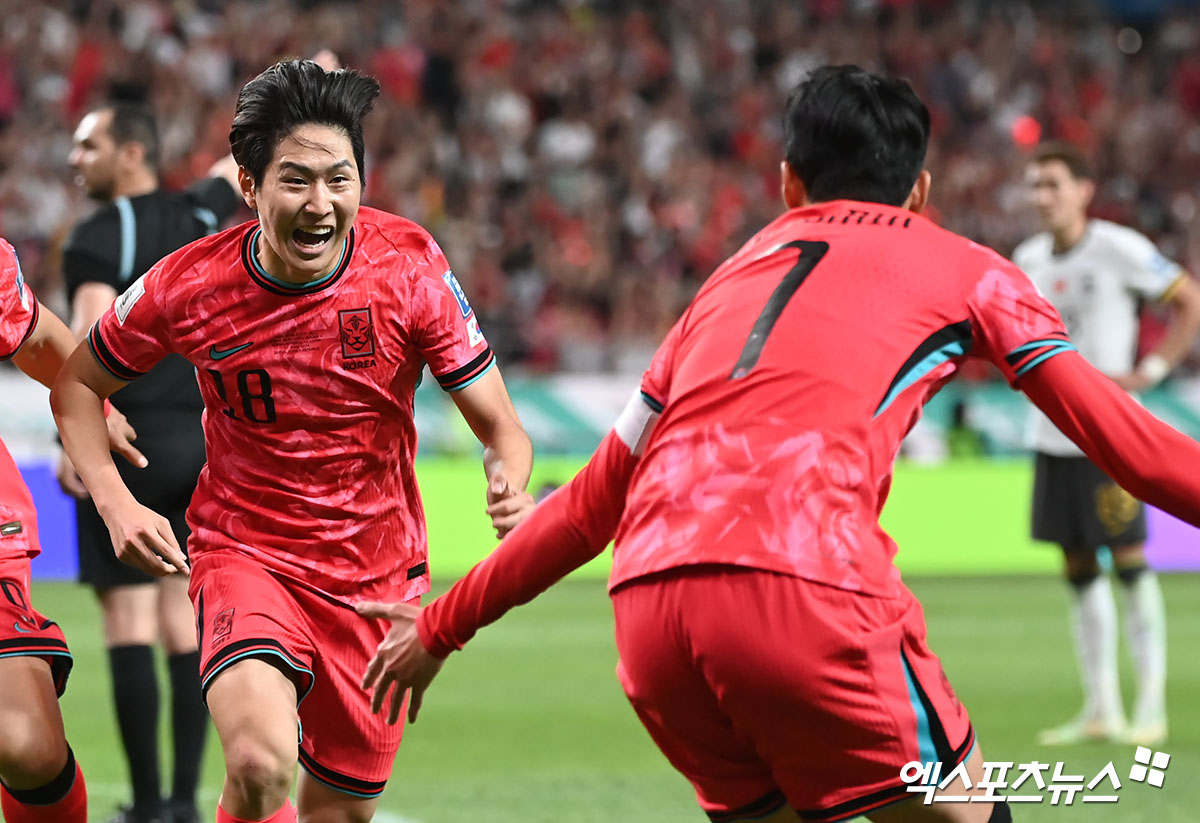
(1094,615)
(1146,629)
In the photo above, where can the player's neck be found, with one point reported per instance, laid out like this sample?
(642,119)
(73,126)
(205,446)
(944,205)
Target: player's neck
(1068,237)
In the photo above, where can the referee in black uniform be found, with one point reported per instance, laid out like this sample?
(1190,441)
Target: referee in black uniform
(115,157)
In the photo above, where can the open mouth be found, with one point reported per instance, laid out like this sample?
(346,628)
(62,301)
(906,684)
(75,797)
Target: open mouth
(312,240)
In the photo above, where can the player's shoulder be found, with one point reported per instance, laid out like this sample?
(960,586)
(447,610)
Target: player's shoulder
(1108,236)
(207,256)
(381,231)
(1032,249)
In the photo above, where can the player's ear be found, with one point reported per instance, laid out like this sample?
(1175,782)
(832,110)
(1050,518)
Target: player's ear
(246,184)
(791,187)
(919,196)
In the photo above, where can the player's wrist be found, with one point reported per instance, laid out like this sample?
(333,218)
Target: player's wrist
(1153,368)
(428,637)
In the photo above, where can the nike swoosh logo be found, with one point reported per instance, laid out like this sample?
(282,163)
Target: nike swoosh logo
(17,626)
(221,354)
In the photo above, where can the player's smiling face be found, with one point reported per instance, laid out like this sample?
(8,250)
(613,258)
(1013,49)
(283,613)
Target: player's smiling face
(306,204)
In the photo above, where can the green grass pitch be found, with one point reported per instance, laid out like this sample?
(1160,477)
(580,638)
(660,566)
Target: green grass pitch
(529,724)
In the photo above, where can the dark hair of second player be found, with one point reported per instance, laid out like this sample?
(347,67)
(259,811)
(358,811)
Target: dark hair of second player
(850,134)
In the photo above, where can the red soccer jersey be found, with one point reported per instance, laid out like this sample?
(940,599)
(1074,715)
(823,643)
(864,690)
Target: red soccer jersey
(789,383)
(308,395)
(18,318)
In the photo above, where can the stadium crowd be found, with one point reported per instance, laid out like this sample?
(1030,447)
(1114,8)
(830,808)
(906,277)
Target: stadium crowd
(585,164)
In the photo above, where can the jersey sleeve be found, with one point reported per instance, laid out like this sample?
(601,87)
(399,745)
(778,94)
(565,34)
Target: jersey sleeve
(446,328)
(1012,324)
(18,307)
(1146,271)
(132,336)
(214,200)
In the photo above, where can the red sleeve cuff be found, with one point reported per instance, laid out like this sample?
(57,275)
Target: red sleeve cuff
(428,636)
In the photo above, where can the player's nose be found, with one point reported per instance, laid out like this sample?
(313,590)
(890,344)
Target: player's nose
(319,200)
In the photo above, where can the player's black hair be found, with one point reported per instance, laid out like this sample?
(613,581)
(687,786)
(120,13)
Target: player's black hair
(853,135)
(1070,156)
(290,94)
(134,123)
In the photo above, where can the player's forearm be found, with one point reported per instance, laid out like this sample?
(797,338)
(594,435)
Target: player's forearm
(509,451)
(79,412)
(42,356)
(565,531)
(1184,326)
(1151,460)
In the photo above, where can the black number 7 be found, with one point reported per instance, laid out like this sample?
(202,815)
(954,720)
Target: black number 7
(811,252)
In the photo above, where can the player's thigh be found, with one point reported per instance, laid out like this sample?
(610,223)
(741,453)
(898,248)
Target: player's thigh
(917,810)
(674,700)
(833,691)
(318,803)
(345,747)
(33,741)
(253,707)
(130,614)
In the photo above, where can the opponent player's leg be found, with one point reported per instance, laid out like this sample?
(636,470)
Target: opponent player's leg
(1146,631)
(1063,509)
(189,717)
(253,706)
(40,781)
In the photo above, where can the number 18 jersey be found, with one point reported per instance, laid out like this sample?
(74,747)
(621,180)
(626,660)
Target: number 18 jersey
(308,394)
(788,384)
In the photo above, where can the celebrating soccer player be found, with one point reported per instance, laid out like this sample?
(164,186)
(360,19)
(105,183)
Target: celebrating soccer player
(309,329)
(766,640)
(40,782)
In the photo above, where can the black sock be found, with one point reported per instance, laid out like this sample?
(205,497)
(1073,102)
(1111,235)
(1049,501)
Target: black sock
(189,725)
(135,693)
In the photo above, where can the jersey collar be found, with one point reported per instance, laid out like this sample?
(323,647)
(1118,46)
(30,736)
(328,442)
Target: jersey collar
(276,286)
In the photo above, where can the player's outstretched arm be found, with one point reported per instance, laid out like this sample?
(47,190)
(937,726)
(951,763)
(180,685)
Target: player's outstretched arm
(569,528)
(140,537)
(507,452)
(1151,460)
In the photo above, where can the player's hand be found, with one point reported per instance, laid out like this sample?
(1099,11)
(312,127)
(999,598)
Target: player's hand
(68,480)
(120,439)
(144,540)
(400,661)
(1132,382)
(507,506)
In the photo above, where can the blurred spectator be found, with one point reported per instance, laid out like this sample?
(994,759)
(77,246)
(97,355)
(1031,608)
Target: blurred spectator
(586,163)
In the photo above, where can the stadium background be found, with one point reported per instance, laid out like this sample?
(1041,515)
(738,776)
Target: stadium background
(585,165)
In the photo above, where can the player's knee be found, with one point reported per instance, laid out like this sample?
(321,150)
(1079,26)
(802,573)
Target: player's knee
(257,771)
(1082,570)
(30,757)
(1129,574)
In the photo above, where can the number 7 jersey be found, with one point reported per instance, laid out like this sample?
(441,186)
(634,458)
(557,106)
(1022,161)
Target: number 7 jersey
(308,395)
(787,386)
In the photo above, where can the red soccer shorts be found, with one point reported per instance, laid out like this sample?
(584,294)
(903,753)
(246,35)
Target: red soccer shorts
(24,631)
(244,611)
(766,690)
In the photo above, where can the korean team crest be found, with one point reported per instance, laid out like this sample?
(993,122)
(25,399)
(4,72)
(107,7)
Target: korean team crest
(357,332)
